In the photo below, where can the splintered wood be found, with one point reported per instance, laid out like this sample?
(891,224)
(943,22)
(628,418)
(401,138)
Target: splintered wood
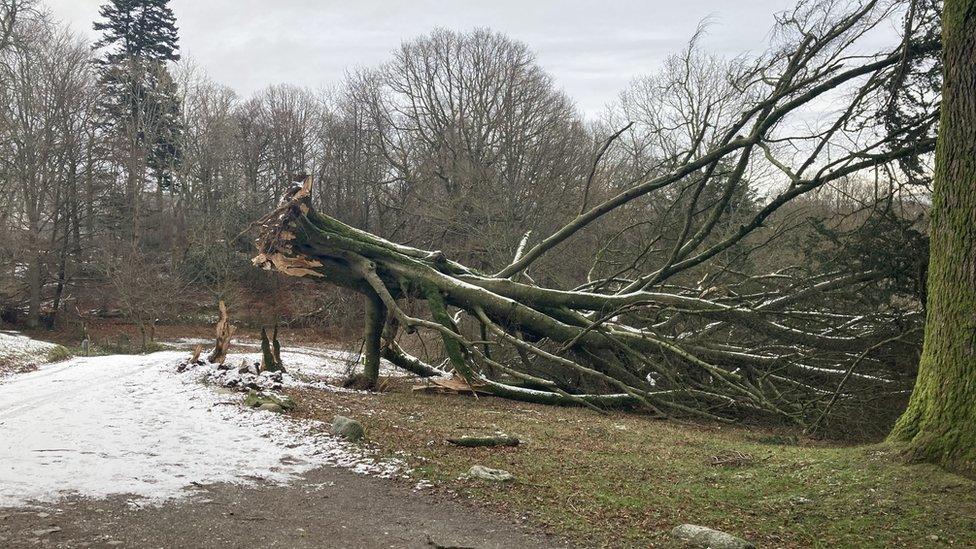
(225,330)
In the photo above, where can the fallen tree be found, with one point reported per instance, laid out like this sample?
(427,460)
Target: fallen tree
(733,343)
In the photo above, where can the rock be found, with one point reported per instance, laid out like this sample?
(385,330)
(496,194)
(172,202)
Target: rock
(271,407)
(800,500)
(487,473)
(700,536)
(255,399)
(271,377)
(347,428)
(46,531)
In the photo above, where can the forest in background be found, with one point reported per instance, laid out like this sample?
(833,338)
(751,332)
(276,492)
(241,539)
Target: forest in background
(131,181)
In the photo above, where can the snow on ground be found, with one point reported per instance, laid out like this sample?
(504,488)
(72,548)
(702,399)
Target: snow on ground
(17,350)
(100,426)
(303,362)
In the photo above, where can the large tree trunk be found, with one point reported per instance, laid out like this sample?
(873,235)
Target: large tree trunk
(939,422)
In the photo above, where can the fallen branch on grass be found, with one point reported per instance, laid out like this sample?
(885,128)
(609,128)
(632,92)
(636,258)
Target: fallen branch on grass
(482,441)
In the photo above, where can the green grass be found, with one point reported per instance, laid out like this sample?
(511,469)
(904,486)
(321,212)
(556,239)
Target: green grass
(626,480)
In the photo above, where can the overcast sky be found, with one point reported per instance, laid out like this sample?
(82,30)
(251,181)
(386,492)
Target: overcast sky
(592,48)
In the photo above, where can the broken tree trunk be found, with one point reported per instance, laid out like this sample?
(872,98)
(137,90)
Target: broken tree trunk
(225,330)
(271,352)
(552,335)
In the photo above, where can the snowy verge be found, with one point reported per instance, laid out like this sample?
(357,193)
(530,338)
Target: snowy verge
(18,351)
(102,426)
(309,363)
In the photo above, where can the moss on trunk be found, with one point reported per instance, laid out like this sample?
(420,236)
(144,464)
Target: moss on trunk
(940,422)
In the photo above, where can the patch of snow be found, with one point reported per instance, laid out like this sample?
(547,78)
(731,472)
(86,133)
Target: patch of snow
(100,426)
(19,350)
(310,363)
(327,363)
(188,342)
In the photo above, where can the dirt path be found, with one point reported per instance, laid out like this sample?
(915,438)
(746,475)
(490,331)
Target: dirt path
(122,451)
(330,507)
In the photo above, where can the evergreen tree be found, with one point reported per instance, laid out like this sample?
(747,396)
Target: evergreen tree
(140,29)
(141,101)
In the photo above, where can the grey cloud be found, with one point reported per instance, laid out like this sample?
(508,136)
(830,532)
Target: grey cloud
(592,49)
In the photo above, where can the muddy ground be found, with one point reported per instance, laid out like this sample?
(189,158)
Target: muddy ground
(329,507)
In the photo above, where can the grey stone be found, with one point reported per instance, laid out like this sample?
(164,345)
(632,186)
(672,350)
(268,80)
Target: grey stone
(487,473)
(347,428)
(706,538)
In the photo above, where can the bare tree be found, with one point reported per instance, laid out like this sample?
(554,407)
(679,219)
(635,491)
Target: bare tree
(480,145)
(13,12)
(47,69)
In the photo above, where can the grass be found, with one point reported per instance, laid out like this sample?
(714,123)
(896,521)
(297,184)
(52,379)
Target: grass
(624,480)
(59,353)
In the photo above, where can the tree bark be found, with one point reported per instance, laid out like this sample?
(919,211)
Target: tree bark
(225,330)
(938,425)
(271,352)
(374,320)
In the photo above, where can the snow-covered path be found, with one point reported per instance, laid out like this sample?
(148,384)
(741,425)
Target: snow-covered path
(110,425)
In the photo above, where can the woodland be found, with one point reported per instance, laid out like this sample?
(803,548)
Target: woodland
(754,239)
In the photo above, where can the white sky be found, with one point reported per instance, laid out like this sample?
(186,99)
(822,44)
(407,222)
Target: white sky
(592,48)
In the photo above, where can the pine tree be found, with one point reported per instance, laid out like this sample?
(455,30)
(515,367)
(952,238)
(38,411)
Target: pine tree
(141,101)
(140,29)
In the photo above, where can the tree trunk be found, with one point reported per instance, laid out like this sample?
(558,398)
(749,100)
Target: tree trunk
(34,281)
(271,352)
(938,424)
(374,320)
(225,330)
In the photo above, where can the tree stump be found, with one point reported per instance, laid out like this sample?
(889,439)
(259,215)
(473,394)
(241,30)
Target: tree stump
(225,330)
